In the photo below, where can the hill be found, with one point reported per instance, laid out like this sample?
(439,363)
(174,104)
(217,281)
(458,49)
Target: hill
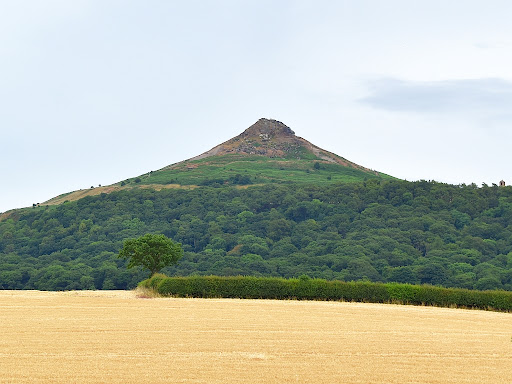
(266,152)
(378,230)
(267,203)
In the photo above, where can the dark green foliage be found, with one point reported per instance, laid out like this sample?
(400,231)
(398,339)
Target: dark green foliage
(151,252)
(304,288)
(379,231)
(240,179)
(237,179)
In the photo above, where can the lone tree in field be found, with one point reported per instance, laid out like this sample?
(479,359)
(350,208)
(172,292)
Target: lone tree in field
(151,252)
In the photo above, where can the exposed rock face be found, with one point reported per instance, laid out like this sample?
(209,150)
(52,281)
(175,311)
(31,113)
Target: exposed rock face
(273,139)
(267,129)
(269,138)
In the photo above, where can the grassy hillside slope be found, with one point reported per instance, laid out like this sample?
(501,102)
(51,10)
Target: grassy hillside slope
(246,170)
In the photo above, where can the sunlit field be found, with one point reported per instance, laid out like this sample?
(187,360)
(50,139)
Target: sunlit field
(117,337)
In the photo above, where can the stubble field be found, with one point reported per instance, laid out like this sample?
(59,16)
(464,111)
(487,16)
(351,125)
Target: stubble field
(115,337)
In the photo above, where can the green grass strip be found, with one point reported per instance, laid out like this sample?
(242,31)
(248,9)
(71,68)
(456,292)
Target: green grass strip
(304,288)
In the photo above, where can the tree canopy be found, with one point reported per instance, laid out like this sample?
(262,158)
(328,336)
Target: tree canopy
(151,252)
(410,232)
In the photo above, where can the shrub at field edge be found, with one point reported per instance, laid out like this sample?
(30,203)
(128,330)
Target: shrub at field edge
(304,288)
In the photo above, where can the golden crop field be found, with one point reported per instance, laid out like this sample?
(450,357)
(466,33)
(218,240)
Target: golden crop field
(115,337)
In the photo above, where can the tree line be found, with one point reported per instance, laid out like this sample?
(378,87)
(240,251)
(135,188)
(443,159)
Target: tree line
(380,231)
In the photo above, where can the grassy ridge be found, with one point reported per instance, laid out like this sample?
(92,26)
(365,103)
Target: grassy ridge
(259,169)
(304,288)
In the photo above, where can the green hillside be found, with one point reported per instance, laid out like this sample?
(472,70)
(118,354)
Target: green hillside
(247,170)
(377,230)
(268,152)
(266,203)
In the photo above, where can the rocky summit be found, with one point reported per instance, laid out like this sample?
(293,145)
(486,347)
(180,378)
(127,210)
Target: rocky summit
(273,139)
(266,137)
(266,129)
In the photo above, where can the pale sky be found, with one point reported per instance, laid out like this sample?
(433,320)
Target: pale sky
(97,91)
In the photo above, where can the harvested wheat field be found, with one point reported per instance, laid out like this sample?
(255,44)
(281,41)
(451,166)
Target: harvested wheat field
(115,337)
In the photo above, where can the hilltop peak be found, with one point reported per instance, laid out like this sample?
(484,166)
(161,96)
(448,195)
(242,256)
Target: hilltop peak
(267,129)
(273,139)
(266,137)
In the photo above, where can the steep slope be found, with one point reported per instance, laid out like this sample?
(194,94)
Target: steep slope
(274,139)
(266,152)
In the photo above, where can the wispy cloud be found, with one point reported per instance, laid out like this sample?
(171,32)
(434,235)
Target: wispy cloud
(489,98)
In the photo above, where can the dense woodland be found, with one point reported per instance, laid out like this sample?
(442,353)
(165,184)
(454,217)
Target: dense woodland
(382,231)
